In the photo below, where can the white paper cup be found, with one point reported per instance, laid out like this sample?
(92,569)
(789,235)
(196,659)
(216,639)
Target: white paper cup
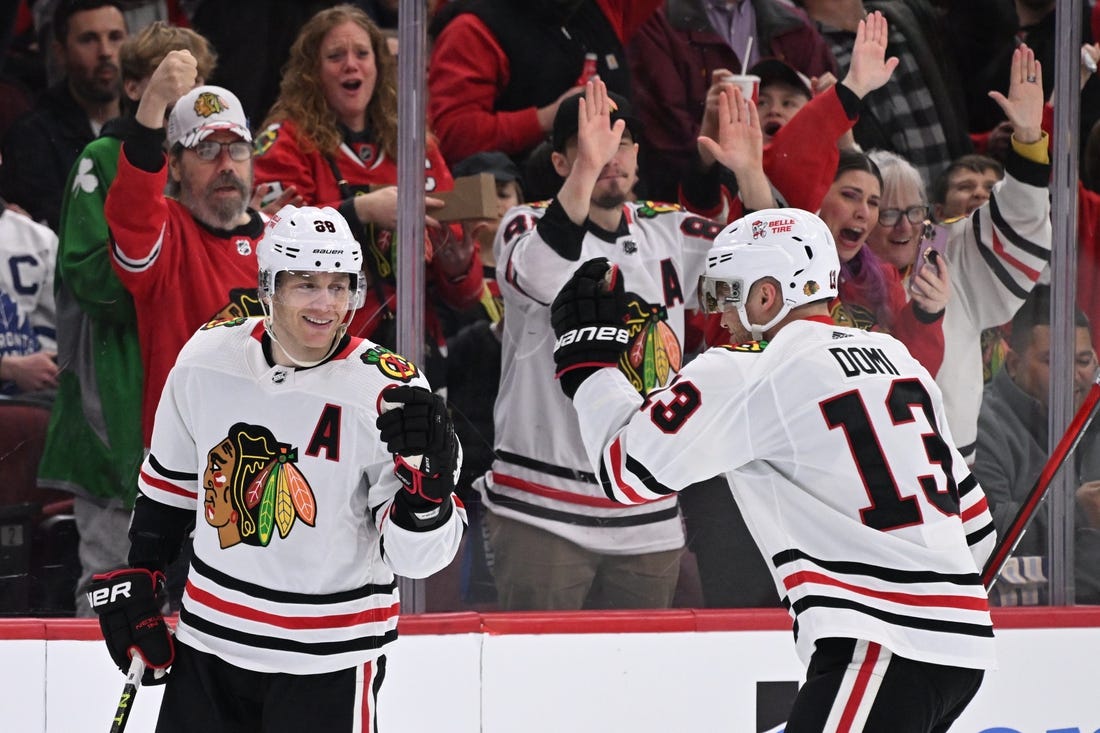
(749,84)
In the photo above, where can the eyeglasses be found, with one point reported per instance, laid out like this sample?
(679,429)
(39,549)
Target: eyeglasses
(890,217)
(239,150)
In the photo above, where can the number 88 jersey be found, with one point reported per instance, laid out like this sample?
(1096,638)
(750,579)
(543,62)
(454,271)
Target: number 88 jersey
(838,454)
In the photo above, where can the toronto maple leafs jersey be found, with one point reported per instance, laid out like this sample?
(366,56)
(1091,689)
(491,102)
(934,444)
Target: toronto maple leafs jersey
(541,474)
(836,448)
(295,549)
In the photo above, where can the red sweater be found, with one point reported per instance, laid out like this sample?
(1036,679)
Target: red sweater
(181,273)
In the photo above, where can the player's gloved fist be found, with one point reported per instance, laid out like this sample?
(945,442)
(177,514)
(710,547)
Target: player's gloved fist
(128,603)
(417,428)
(589,320)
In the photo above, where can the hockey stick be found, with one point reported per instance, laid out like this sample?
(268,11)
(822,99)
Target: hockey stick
(1069,441)
(129,692)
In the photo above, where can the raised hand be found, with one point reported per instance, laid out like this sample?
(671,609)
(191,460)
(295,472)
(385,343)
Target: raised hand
(1024,104)
(176,75)
(708,127)
(740,143)
(869,68)
(597,139)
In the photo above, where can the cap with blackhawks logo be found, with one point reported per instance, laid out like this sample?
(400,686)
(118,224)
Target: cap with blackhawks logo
(202,112)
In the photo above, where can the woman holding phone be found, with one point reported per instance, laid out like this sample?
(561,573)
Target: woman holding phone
(995,255)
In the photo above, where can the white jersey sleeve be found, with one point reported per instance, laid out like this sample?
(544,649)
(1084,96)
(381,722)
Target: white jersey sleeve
(832,442)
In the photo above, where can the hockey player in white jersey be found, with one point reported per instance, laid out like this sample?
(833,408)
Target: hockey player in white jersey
(306,496)
(558,543)
(836,448)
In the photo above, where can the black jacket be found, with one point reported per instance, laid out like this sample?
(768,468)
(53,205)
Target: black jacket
(39,150)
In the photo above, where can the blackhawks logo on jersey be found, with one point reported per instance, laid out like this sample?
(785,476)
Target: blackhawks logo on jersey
(749,347)
(243,302)
(650,209)
(391,364)
(252,488)
(654,354)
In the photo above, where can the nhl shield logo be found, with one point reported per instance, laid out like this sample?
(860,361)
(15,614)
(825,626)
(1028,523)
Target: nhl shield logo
(244,247)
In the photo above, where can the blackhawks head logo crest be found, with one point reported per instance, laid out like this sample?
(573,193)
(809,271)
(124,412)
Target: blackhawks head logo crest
(392,365)
(252,488)
(208,104)
(654,354)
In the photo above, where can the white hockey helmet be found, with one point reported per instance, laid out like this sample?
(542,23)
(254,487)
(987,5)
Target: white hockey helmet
(310,239)
(792,246)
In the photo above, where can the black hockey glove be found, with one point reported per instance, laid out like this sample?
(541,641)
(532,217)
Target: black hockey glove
(417,429)
(589,319)
(128,603)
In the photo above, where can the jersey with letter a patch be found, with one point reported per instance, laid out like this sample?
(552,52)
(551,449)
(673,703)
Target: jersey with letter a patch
(540,474)
(837,451)
(295,550)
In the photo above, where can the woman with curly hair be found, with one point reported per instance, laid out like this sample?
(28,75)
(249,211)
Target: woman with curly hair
(331,140)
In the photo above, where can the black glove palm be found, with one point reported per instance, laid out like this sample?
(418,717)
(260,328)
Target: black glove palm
(589,320)
(128,603)
(418,425)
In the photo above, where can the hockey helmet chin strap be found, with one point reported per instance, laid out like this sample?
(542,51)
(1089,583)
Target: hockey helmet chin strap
(757,330)
(269,328)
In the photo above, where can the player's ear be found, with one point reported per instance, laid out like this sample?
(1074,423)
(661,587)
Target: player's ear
(770,295)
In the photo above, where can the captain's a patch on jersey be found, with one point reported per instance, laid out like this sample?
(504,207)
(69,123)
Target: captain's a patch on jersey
(749,347)
(392,365)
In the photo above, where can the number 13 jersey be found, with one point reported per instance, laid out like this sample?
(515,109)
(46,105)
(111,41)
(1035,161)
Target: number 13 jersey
(836,448)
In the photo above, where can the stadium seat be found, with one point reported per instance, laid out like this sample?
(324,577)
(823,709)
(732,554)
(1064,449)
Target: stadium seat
(38,539)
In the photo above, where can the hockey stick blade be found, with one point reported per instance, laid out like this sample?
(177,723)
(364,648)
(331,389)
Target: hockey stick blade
(129,693)
(1069,441)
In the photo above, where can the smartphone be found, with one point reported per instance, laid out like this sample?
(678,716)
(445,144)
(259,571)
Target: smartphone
(931,248)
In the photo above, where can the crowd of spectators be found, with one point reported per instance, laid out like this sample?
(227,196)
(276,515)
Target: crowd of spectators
(155,138)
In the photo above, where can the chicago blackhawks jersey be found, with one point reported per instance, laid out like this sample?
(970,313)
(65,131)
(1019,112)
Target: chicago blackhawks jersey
(836,448)
(295,549)
(541,475)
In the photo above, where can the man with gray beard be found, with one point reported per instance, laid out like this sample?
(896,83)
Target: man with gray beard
(42,145)
(188,260)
